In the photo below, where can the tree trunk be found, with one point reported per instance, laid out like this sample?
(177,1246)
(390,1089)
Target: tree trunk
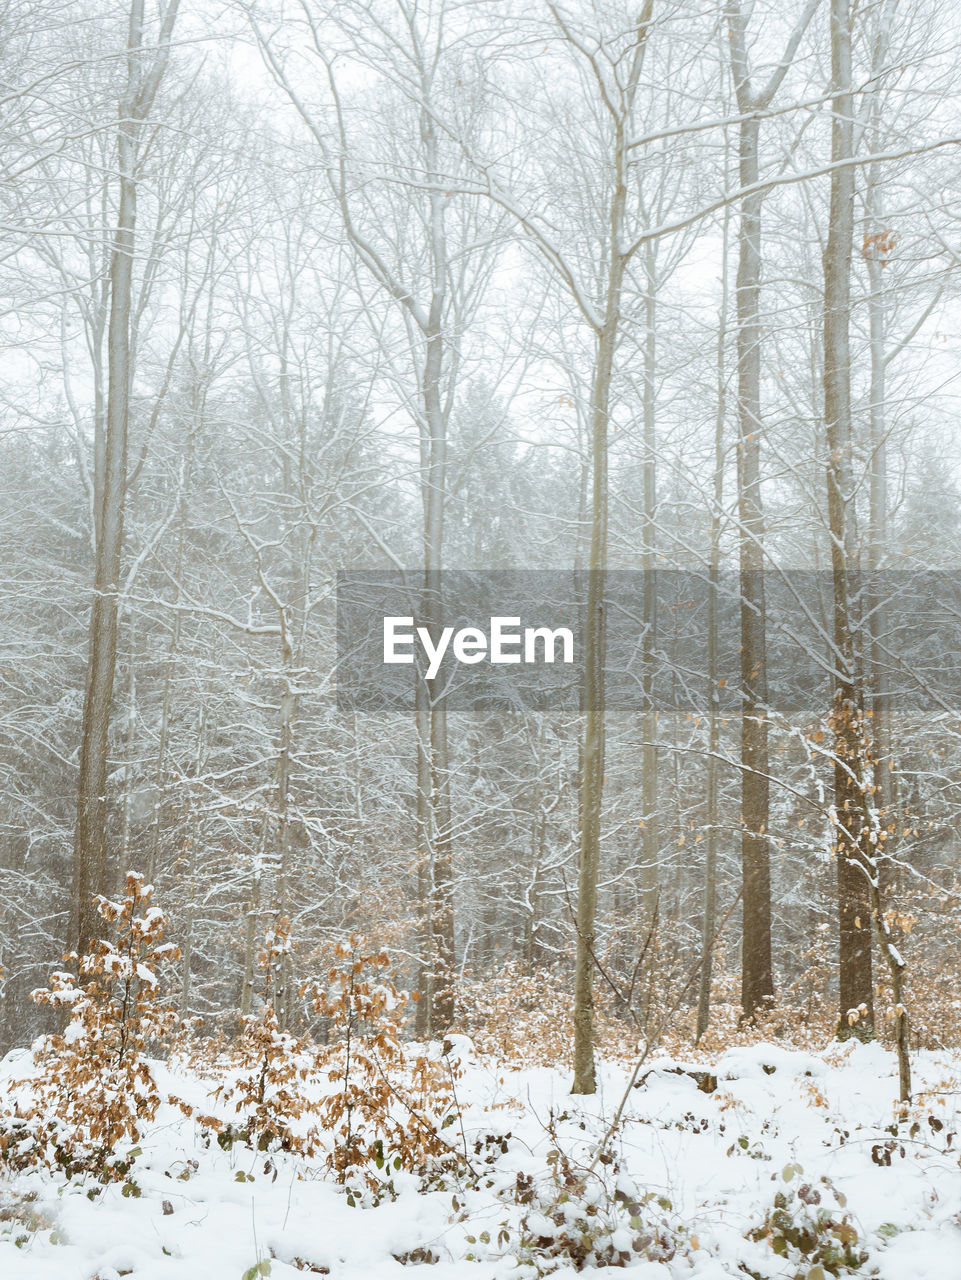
(595,628)
(425,945)
(650,835)
(709,917)
(441,988)
(847,717)
(442,905)
(592,766)
(874,252)
(757,981)
(90,832)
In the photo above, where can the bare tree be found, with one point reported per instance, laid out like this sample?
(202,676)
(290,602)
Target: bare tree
(435,290)
(757,978)
(145,68)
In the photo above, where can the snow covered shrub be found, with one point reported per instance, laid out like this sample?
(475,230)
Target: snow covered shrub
(812,1237)
(269,1070)
(587,1212)
(94,1091)
(388,1108)
(593,1221)
(22,1219)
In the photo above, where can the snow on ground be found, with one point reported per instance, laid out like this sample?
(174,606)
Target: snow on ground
(697,1174)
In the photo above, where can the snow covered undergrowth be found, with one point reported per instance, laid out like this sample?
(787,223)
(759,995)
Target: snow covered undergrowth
(791,1166)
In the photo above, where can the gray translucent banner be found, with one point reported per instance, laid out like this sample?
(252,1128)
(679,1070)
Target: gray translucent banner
(484,639)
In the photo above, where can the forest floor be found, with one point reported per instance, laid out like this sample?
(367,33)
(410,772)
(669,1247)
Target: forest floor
(792,1166)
